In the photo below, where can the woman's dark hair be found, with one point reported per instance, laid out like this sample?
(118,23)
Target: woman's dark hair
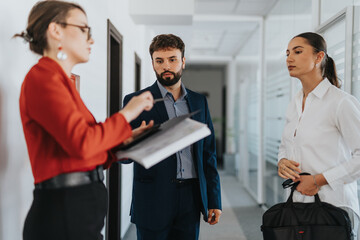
(327,65)
(41,15)
(165,41)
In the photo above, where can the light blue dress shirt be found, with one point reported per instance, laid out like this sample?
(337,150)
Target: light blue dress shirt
(185,163)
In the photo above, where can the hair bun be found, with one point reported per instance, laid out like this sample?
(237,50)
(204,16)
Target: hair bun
(26,36)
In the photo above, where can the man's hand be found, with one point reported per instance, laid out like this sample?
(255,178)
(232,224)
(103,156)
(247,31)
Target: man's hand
(214,216)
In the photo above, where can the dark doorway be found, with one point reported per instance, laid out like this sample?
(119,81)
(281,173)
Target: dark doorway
(209,80)
(114,99)
(137,73)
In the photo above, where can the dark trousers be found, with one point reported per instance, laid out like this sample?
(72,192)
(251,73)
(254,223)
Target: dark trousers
(73,213)
(186,220)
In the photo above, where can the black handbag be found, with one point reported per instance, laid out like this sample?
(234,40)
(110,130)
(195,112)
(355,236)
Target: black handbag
(316,221)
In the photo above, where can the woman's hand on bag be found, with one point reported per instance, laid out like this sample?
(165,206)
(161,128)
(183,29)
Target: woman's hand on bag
(307,185)
(137,105)
(137,131)
(310,184)
(289,169)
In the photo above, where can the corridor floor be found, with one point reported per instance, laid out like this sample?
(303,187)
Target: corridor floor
(240,220)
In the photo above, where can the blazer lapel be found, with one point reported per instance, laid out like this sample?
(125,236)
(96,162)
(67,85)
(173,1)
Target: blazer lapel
(193,107)
(159,108)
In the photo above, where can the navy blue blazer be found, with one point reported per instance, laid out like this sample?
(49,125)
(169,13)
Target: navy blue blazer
(153,198)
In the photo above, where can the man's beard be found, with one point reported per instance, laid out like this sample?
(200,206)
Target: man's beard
(168,81)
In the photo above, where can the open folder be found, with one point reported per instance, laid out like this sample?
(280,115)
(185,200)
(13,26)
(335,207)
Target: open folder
(161,141)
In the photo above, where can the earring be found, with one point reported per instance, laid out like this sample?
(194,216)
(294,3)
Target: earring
(61,55)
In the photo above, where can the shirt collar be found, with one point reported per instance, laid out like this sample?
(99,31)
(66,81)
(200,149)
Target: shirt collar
(164,91)
(320,90)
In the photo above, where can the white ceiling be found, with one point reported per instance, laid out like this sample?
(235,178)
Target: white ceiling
(227,28)
(220,38)
(236,7)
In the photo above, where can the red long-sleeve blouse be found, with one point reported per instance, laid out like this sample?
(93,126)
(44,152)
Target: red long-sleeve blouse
(61,134)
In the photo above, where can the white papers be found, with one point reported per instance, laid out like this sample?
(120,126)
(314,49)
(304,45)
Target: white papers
(166,142)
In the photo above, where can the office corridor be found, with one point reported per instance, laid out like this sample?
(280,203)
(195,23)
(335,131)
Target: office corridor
(235,56)
(240,220)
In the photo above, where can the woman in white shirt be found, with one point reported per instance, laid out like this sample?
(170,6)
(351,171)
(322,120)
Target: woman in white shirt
(322,130)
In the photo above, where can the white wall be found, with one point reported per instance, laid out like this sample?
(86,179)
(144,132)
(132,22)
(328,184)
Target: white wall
(15,174)
(16,181)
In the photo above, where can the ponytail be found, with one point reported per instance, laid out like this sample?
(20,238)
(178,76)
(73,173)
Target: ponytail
(327,65)
(329,71)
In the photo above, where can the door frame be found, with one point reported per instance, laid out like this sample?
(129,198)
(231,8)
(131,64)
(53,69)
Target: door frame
(113,174)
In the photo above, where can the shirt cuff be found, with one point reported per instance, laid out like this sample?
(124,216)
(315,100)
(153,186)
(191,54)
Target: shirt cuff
(128,129)
(281,157)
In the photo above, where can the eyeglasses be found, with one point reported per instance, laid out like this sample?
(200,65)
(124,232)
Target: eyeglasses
(82,28)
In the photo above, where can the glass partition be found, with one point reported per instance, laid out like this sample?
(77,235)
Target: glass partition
(335,39)
(277,95)
(253,134)
(355,81)
(287,19)
(329,8)
(249,143)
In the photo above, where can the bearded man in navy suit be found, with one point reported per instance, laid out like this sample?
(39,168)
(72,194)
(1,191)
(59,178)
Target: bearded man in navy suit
(168,198)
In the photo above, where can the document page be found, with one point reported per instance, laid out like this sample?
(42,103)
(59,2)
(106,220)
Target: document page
(166,142)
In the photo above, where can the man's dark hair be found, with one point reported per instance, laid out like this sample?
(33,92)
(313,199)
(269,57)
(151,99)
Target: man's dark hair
(166,41)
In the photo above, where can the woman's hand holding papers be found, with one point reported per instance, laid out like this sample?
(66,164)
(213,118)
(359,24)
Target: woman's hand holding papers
(138,131)
(137,105)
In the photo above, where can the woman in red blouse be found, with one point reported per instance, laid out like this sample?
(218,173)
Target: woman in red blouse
(67,147)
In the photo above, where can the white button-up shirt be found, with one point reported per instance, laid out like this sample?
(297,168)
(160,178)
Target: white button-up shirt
(327,141)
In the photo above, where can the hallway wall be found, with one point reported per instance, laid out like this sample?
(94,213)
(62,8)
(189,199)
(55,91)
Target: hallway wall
(16,181)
